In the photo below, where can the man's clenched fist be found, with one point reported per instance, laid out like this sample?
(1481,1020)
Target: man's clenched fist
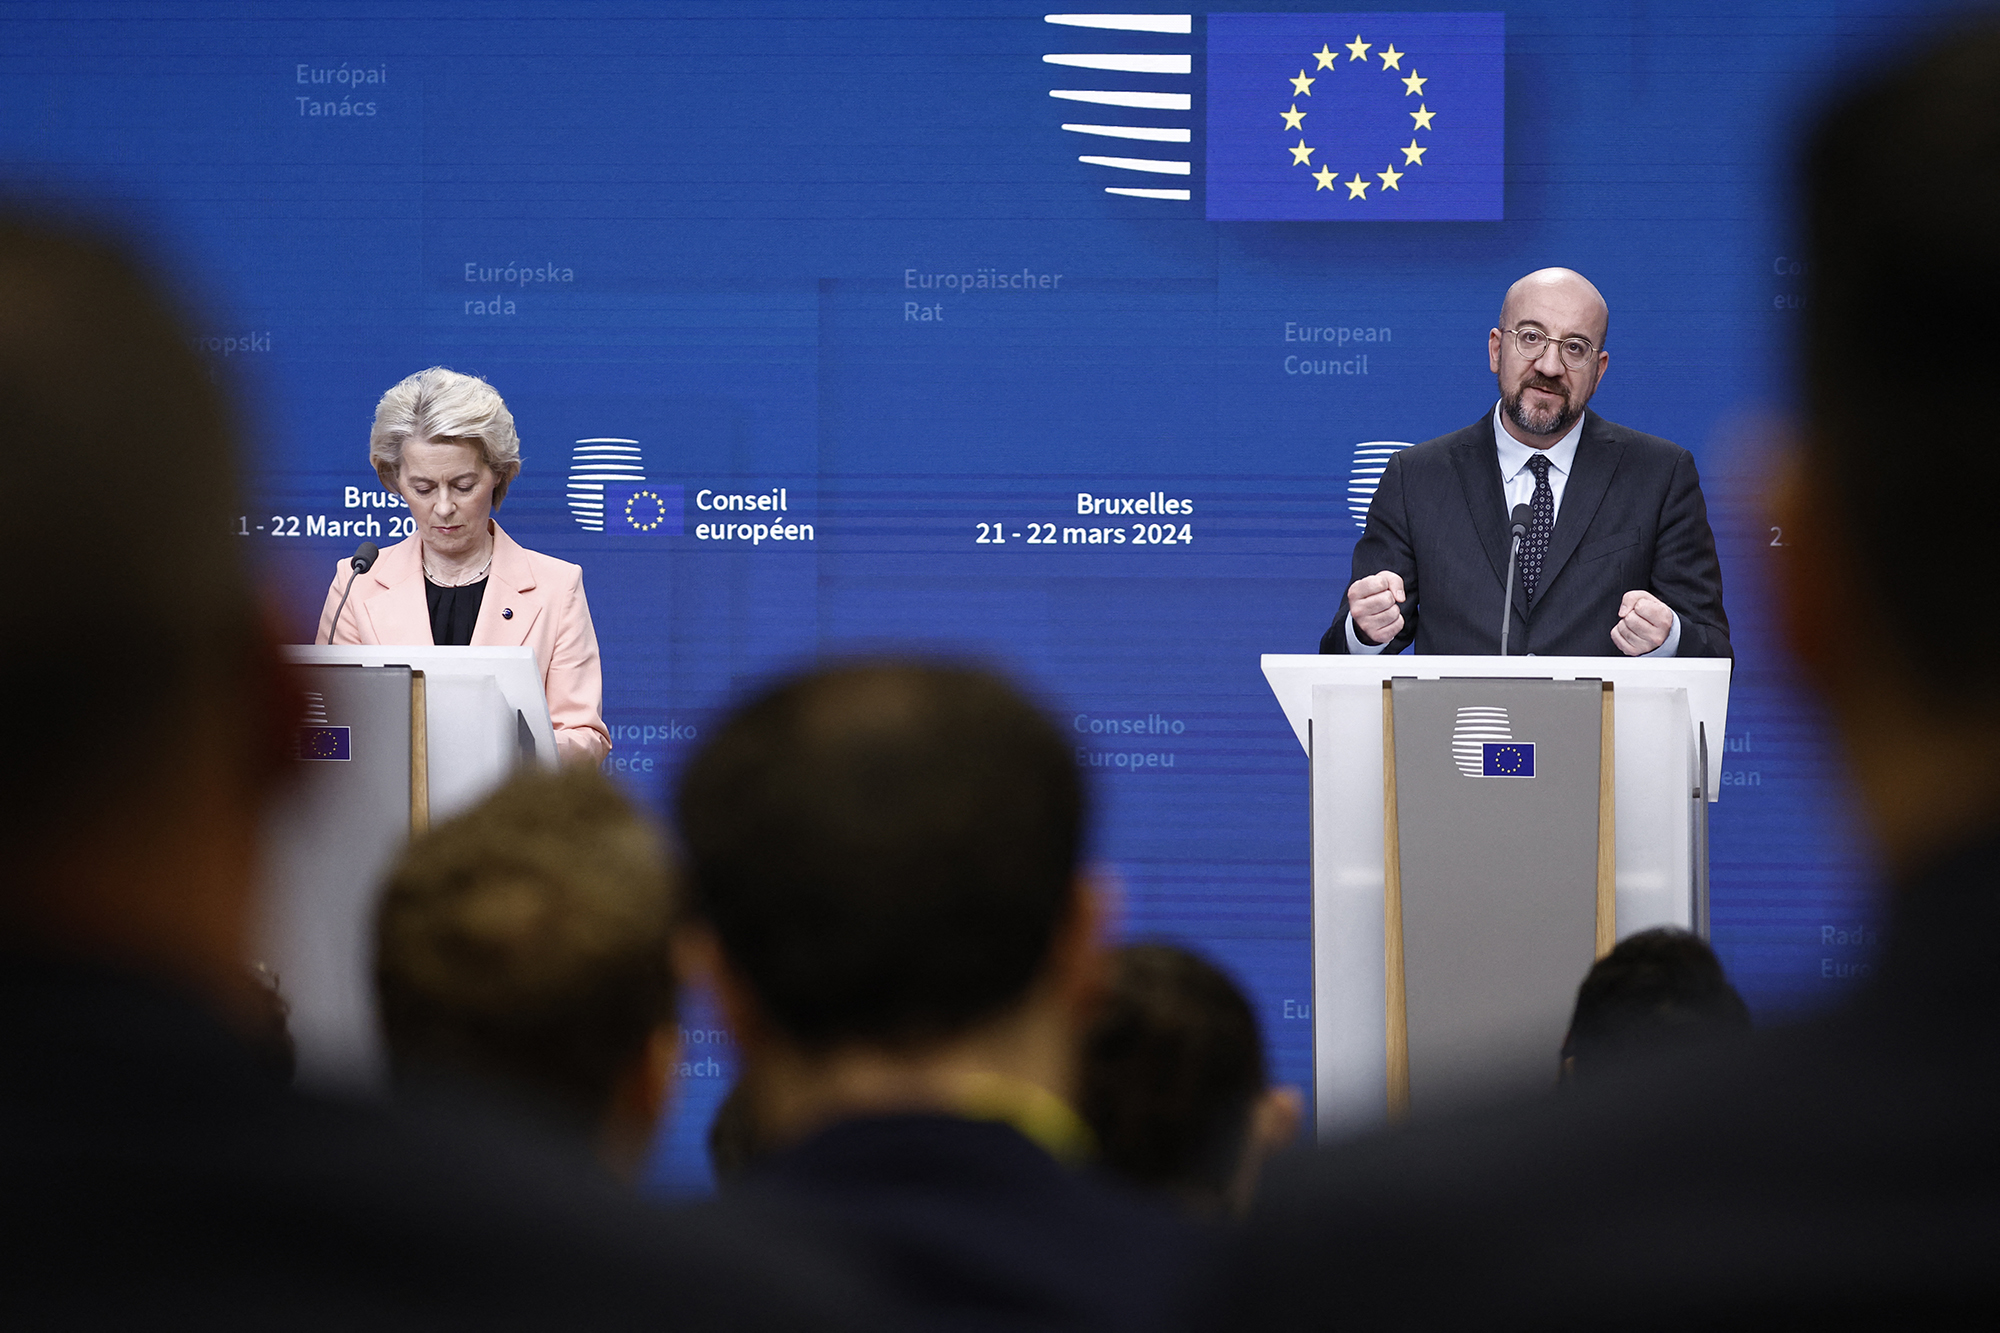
(1376,604)
(1643,623)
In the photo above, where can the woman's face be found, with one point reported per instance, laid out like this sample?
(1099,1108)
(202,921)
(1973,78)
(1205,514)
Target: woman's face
(450,490)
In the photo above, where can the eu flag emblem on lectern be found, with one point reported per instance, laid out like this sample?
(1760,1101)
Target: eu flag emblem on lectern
(1356,117)
(328,744)
(1508,759)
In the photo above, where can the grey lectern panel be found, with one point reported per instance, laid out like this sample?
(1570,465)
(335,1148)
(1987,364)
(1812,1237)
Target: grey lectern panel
(1496,792)
(336,832)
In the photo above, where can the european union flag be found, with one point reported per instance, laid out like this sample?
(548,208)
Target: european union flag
(643,506)
(1355,117)
(1508,759)
(334,744)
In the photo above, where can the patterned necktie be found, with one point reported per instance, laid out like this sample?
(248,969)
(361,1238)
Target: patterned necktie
(1536,544)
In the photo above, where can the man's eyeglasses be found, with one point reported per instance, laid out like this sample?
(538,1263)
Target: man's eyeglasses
(1533,342)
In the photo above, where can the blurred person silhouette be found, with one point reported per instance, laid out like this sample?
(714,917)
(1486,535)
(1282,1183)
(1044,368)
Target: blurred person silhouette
(1657,992)
(884,868)
(1175,1085)
(1839,1172)
(154,1174)
(733,1143)
(522,952)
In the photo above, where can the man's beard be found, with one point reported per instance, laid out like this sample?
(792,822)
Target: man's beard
(1540,423)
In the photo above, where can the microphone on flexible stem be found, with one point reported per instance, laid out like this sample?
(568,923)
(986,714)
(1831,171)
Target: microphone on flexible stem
(364,560)
(1522,517)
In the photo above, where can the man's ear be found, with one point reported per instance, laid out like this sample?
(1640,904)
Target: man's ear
(699,960)
(639,1101)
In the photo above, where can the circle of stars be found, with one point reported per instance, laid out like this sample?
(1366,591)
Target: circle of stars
(659,510)
(1328,58)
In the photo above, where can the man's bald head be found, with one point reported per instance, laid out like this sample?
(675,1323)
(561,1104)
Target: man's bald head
(1562,293)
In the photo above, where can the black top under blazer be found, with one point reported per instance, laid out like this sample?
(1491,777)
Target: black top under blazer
(1632,516)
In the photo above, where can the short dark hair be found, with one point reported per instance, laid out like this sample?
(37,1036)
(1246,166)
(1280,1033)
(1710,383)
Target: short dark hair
(1658,991)
(526,943)
(1173,1065)
(100,383)
(884,849)
(1916,476)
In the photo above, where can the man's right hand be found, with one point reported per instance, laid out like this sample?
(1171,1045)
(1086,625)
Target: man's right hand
(1376,603)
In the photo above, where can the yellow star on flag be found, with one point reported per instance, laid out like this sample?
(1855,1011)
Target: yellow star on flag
(1391,56)
(1422,115)
(1325,178)
(1301,155)
(1303,86)
(1358,188)
(1294,116)
(1413,154)
(1359,48)
(1326,55)
(1413,85)
(1390,177)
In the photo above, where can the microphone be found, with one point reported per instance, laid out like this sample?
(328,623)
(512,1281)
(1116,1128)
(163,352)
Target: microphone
(364,560)
(1521,518)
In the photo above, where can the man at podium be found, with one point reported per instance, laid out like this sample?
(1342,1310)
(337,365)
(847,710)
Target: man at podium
(446,443)
(1615,553)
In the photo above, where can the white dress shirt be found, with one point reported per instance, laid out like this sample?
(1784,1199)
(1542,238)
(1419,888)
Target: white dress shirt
(1517,481)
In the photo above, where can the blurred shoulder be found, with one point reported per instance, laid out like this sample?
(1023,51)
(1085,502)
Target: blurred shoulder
(1708,1158)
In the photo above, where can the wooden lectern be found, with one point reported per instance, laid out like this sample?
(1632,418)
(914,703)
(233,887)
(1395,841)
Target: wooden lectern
(393,738)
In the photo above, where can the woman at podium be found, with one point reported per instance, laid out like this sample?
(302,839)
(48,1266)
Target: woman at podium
(445,442)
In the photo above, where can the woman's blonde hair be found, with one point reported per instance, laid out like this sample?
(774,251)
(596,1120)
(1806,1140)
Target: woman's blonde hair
(444,407)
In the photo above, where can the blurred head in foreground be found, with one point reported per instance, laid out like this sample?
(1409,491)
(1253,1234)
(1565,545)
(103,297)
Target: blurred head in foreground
(148,712)
(1174,1081)
(1888,496)
(1657,992)
(524,946)
(883,868)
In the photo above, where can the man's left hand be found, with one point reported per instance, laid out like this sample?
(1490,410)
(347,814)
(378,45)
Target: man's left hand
(1643,623)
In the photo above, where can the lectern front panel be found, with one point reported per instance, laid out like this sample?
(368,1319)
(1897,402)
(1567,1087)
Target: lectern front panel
(332,836)
(1497,822)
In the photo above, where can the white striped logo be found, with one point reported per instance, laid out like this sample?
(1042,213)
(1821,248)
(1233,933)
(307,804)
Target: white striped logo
(594,462)
(1171,72)
(1476,727)
(1370,461)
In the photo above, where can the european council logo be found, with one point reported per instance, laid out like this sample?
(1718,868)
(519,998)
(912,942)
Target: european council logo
(317,738)
(1355,117)
(608,490)
(1483,745)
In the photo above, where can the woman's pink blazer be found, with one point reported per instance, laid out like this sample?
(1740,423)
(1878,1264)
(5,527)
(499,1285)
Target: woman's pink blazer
(550,615)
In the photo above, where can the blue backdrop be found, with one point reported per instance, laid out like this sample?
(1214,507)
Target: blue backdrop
(849,254)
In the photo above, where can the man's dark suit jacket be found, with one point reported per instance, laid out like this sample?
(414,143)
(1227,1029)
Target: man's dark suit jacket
(1631,517)
(1844,1173)
(967,1224)
(153,1175)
